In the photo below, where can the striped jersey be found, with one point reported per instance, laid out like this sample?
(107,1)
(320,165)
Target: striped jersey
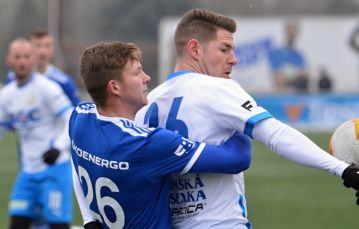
(124,170)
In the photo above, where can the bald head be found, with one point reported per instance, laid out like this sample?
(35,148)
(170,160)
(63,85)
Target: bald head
(20,58)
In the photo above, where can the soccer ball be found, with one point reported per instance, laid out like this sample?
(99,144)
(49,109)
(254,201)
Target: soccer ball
(344,142)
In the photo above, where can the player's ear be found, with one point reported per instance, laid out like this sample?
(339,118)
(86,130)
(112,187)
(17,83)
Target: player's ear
(114,87)
(193,48)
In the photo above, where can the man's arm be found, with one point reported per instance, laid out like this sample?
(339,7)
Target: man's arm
(62,141)
(293,145)
(61,108)
(233,156)
(176,154)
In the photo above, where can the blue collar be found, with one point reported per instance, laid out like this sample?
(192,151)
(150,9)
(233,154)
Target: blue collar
(175,74)
(31,77)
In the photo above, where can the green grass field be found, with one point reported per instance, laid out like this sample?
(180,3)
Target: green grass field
(280,194)
(8,170)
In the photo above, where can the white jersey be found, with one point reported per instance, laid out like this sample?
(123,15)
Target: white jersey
(33,110)
(207,109)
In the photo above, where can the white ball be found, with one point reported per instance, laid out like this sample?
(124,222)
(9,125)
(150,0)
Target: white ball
(344,142)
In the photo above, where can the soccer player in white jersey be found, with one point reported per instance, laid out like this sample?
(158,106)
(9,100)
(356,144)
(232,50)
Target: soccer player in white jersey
(201,102)
(124,170)
(44,49)
(39,112)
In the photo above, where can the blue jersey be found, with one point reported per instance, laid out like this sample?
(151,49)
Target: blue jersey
(286,59)
(58,76)
(124,170)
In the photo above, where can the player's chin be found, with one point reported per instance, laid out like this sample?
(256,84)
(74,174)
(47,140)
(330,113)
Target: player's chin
(145,100)
(226,76)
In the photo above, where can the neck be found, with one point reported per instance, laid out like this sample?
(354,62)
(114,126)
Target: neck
(22,79)
(183,65)
(116,110)
(41,69)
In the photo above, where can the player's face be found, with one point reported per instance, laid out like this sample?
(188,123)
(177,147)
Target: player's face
(217,56)
(44,47)
(134,85)
(21,59)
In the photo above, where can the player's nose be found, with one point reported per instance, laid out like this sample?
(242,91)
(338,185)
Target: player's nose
(233,59)
(147,78)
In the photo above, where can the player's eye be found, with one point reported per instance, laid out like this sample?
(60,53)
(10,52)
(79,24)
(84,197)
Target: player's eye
(224,50)
(139,71)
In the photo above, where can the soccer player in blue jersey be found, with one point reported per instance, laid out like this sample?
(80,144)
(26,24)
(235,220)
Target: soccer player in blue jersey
(44,47)
(122,169)
(39,112)
(201,102)
(288,65)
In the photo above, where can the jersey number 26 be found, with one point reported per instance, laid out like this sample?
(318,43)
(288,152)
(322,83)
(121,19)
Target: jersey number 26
(100,183)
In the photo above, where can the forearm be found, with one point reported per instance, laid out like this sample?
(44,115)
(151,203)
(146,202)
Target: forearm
(62,141)
(233,156)
(293,145)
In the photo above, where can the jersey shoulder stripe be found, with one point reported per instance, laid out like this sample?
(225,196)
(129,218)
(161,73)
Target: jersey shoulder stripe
(129,127)
(125,125)
(253,120)
(193,159)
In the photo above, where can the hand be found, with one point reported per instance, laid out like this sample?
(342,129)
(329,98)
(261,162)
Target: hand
(351,178)
(50,156)
(93,225)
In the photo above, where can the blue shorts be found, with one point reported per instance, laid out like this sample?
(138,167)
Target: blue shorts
(46,195)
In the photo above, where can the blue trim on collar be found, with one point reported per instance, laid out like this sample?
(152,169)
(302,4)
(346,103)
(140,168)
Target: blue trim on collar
(27,82)
(175,74)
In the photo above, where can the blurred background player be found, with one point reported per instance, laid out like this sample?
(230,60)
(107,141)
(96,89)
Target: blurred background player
(288,64)
(201,102)
(44,47)
(39,112)
(125,169)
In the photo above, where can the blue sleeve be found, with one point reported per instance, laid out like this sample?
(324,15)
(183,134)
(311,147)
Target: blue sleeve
(299,59)
(72,92)
(274,59)
(233,156)
(166,152)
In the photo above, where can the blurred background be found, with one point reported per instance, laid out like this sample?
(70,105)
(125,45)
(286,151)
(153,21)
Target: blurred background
(322,89)
(324,29)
